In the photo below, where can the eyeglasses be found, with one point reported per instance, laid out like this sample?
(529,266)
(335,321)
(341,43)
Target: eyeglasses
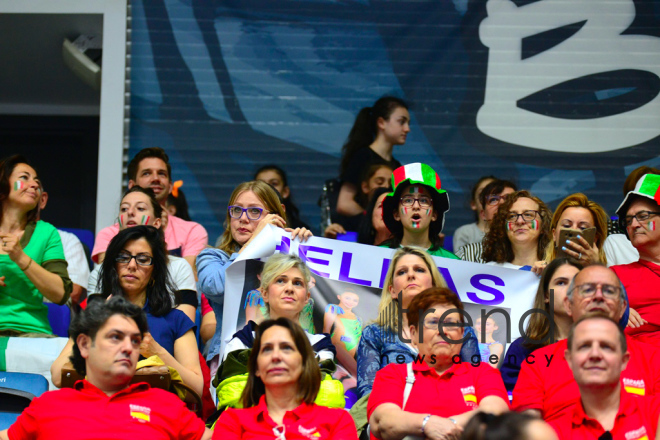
(640,216)
(252,213)
(141,259)
(528,216)
(494,199)
(447,324)
(409,201)
(587,290)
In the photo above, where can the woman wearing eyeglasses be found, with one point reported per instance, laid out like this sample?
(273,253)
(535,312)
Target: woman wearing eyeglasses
(490,198)
(135,267)
(639,216)
(415,211)
(252,206)
(139,207)
(444,394)
(519,232)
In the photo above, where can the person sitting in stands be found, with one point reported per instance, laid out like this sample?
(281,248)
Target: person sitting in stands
(490,198)
(139,207)
(136,269)
(639,213)
(283,382)
(578,212)
(150,168)
(415,211)
(546,386)
(442,394)
(252,207)
(473,232)
(372,229)
(618,248)
(276,177)
(107,340)
(597,354)
(519,233)
(32,264)
(540,332)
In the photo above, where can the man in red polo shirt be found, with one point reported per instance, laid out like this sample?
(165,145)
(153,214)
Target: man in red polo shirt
(546,386)
(597,353)
(107,339)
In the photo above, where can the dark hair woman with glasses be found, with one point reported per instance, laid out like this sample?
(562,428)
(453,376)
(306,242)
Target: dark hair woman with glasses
(252,206)
(135,267)
(519,232)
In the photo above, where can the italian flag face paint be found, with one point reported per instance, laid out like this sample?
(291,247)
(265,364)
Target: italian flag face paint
(650,226)
(121,221)
(145,220)
(414,190)
(19,185)
(510,226)
(534,224)
(404,210)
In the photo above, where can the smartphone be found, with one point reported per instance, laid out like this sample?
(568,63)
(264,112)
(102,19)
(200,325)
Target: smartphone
(588,234)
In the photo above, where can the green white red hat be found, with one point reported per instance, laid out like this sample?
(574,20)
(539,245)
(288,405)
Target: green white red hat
(411,174)
(648,187)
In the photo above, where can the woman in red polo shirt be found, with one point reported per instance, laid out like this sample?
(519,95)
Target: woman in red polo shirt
(446,392)
(278,400)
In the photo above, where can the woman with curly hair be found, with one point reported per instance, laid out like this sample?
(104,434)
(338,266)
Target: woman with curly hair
(578,212)
(519,232)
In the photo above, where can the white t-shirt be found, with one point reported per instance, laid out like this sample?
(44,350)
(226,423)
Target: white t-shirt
(467,234)
(74,254)
(619,250)
(180,271)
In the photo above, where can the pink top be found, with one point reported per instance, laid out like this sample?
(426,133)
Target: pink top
(183,238)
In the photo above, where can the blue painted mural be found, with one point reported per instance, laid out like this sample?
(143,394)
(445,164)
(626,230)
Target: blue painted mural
(558,95)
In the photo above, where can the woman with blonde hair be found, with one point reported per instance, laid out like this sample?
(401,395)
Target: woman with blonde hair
(252,206)
(519,232)
(578,212)
(411,271)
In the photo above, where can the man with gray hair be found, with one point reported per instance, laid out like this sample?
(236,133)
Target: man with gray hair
(546,386)
(597,354)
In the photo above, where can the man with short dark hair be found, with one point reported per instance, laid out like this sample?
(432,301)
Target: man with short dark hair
(597,354)
(150,168)
(107,338)
(545,384)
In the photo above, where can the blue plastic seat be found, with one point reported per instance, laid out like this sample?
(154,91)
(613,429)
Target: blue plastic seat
(16,392)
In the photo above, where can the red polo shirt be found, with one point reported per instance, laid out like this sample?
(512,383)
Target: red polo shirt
(307,422)
(637,419)
(455,391)
(551,388)
(85,412)
(642,281)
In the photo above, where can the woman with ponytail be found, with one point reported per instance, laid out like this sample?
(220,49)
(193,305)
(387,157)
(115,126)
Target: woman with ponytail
(375,132)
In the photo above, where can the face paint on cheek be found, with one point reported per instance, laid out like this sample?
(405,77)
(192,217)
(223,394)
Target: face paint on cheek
(509,226)
(19,185)
(428,211)
(404,210)
(145,220)
(650,225)
(535,224)
(121,221)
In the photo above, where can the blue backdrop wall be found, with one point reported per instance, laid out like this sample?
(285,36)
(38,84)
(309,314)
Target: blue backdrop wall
(559,95)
